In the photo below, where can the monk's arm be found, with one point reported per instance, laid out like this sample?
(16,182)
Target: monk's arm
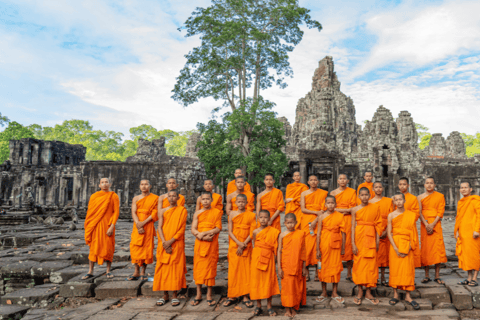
(354,225)
(229,204)
(319,236)
(231,235)
(440,212)
(160,226)
(279,256)
(259,204)
(134,211)
(197,234)
(304,208)
(344,237)
(116,213)
(198,204)
(344,211)
(389,233)
(422,218)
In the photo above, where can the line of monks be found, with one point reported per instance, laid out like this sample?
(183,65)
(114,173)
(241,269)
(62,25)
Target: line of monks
(363,228)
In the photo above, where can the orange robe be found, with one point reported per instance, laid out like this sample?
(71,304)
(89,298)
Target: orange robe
(433,247)
(141,245)
(411,204)
(239,267)
(231,187)
(216,202)
(294,284)
(250,202)
(468,221)
(386,206)
(272,202)
(369,224)
(314,201)
(294,191)
(180,202)
(402,270)
(103,211)
(369,186)
(263,276)
(345,200)
(170,268)
(205,254)
(331,247)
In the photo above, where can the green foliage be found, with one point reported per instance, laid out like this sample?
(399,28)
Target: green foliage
(423,135)
(3,120)
(472,143)
(14,131)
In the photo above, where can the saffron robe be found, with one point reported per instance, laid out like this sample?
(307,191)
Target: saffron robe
(239,267)
(103,211)
(263,276)
(294,191)
(468,221)
(216,202)
(345,200)
(205,254)
(386,207)
(369,224)
(294,284)
(250,202)
(170,268)
(411,204)
(433,247)
(180,201)
(331,247)
(314,201)
(369,186)
(402,270)
(142,245)
(231,187)
(272,202)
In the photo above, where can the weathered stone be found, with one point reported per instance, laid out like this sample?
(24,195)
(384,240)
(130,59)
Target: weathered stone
(444,305)
(147,290)
(431,314)
(64,275)
(436,295)
(76,289)
(12,312)
(117,314)
(156,316)
(117,289)
(461,297)
(38,296)
(475,296)
(20,269)
(44,269)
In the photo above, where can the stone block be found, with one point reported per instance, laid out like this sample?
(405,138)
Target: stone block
(19,269)
(475,296)
(12,312)
(118,275)
(117,289)
(461,297)
(235,316)
(80,257)
(424,304)
(147,290)
(121,256)
(117,314)
(203,305)
(431,314)
(157,316)
(38,296)
(76,289)
(436,295)
(44,269)
(220,287)
(64,275)
(444,305)
(198,316)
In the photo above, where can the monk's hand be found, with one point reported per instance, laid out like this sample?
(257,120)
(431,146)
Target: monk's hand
(140,230)
(139,225)
(280,272)
(169,250)
(110,230)
(343,252)
(354,249)
(304,271)
(384,234)
(240,251)
(319,255)
(270,222)
(429,228)
(476,234)
(208,237)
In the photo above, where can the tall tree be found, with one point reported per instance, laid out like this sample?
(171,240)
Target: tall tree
(14,131)
(3,120)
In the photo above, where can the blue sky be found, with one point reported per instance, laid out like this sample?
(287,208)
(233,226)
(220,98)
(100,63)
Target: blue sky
(114,63)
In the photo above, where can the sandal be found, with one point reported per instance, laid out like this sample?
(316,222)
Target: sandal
(472,283)
(339,300)
(229,302)
(414,304)
(372,301)
(258,311)
(245,302)
(393,301)
(271,312)
(143,278)
(161,302)
(384,283)
(87,276)
(320,298)
(109,275)
(426,280)
(464,282)
(439,281)
(175,302)
(196,302)
(132,278)
(357,301)
(211,303)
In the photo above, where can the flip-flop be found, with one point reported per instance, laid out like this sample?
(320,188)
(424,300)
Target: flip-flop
(439,281)
(372,301)
(426,280)
(320,298)
(258,311)
(359,301)
(176,301)
(472,283)
(109,275)
(211,303)
(271,312)
(87,276)
(229,302)
(339,300)
(143,278)
(161,302)
(385,283)
(415,305)
(463,283)
(132,278)
(248,301)
(196,302)
(393,301)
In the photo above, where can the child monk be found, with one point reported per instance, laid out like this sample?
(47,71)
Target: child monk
(330,247)
(102,215)
(241,224)
(144,215)
(291,266)
(171,261)
(368,176)
(271,199)
(216,198)
(292,196)
(231,187)
(206,225)
(163,201)
(240,183)
(263,278)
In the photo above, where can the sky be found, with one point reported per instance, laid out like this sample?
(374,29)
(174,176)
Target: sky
(114,63)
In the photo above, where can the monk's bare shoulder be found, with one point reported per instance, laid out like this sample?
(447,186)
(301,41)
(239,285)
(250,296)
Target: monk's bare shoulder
(283,234)
(136,198)
(335,192)
(306,192)
(422,196)
(232,195)
(256,231)
(233,214)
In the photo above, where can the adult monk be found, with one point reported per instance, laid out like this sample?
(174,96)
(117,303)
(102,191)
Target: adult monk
(102,215)
(163,199)
(231,187)
(400,230)
(292,197)
(366,229)
(368,176)
(206,225)
(171,261)
(386,206)
(217,201)
(467,233)
(231,198)
(431,213)
(144,215)
(313,204)
(346,200)
(271,199)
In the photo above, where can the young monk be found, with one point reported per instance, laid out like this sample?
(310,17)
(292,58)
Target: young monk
(367,184)
(330,247)
(240,183)
(292,197)
(102,215)
(346,199)
(366,229)
(313,204)
(216,198)
(467,233)
(263,278)
(400,230)
(241,224)
(271,199)
(171,261)
(386,206)
(163,201)
(206,225)
(291,266)
(144,215)
(231,187)
(433,247)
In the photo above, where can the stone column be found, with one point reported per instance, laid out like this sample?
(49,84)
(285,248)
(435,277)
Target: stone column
(303,171)
(61,196)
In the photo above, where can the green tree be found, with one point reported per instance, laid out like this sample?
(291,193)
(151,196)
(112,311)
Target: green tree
(14,131)
(423,135)
(3,120)
(472,143)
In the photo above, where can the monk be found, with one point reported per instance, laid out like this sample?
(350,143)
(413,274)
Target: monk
(241,224)
(400,231)
(467,233)
(102,215)
(366,229)
(292,196)
(271,199)
(163,199)
(330,247)
(144,215)
(313,204)
(217,201)
(231,198)
(291,266)
(346,200)
(231,187)
(386,206)
(171,261)
(368,176)
(263,278)
(206,225)
(433,248)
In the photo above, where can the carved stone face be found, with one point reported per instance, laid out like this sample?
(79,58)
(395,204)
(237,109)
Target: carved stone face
(383,127)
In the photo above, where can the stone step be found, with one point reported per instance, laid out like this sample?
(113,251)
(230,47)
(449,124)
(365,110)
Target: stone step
(38,296)
(12,312)
(118,289)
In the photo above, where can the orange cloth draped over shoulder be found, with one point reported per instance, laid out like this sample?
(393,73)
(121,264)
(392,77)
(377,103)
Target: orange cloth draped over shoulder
(468,221)
(216,202)
(205,254)
(411,204)
(433,247)
(345,200)
(386,206)
(294,191)
(231,187)
(294,284)
(314,201)
(250,202)
(402,270)
(369,186)
(180,202)
(103,211)
(263,276)
(369,224)
(142,245)
(170,268)
(331,248)
(239,266)
(272,202)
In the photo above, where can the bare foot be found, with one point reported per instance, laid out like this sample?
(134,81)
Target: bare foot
(294,313)
(288,313)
